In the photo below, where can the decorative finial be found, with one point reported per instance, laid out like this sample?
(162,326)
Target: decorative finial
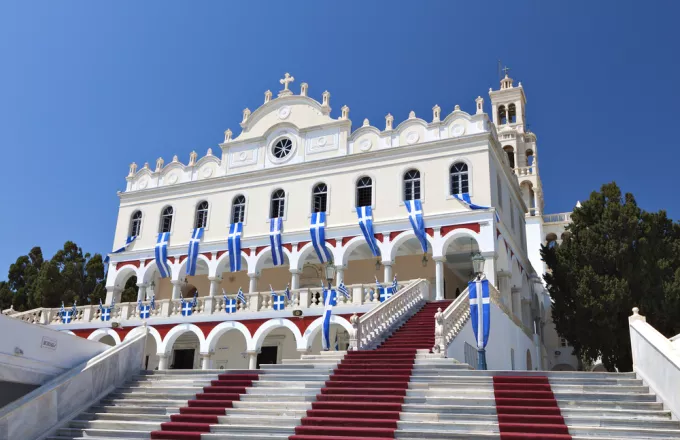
(345,112)
(636,311)
(480,105)
(227,135)
(366,123)
(159,164)
(436,112)
(389,119)
(326,99)
(175,159)
(456,108)
(146,165)
(133,169)
(267,96)
(246,114)
(303,89)
(412,115)
(192,158)
(209,152)
(285,81)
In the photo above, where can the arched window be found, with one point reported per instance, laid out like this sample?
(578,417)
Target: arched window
(201,215)
(412,185)
(364,191)
(278,204)
(510,152)
(166,219)
(530,157)
(319,198)
(135,224)
(512,114)
(459,178)
(238,209)
(502,116)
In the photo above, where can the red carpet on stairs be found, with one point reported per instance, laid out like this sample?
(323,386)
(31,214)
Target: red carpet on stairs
(363,397)
(203,411)
(527,409)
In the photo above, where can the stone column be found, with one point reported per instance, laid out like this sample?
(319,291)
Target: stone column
(252,359)
(439,278)
(176,289)
(340,271)
(214,285)
(294,279)
(252,286)
(113,293)
(388,272)
(162,361)
(206,361)
(141,294)
(537,210)
(516,295)
(490,266)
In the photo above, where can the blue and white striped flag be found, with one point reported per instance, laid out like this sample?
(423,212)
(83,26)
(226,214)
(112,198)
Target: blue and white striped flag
(275,231)
(145,311)
(415,216)
(287,292)
(240,296)
(192,255)
(317,230)
(343,289)
(187,307)
(128,242)
(465,198)
(278,301)
(330,299)
(384,293)
(162,255)
(365,214)
(481,317)
(234,245)
(106,312)
(229,303)
(395,284)
(65,315)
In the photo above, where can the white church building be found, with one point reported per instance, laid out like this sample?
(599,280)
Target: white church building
(475,173)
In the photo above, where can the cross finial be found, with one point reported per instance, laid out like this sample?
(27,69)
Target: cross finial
(286,79)
(506,69)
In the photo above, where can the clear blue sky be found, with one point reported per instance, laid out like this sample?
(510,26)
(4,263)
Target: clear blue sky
(87,87)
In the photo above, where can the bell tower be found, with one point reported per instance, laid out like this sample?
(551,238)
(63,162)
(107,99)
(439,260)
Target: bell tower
(508,104)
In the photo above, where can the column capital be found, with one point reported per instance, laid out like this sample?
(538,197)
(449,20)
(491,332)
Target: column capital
(439,259)
(176,282)
(215,278)
(387,262)
(489,254)
(253,275)
(204,355)
(294,271)
(253,352)
(142,285)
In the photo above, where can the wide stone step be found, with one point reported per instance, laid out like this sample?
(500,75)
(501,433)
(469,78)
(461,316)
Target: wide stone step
(127,409)
(102,433)
(298,391)
(247,429)
(490,401)
(271,405)
(126,417)
(259,420)
(291,384)
(113,425)
(163,403)
(273,411)
(278,398)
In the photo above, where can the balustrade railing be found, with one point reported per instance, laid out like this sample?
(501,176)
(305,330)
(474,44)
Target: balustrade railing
(370,327)
(306,298)
(449,322)
(563,217)
(525,171)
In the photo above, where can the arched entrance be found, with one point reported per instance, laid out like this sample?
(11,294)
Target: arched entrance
(458,253)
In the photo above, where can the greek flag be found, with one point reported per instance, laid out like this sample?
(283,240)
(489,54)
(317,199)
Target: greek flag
(187,307)
(192,256)
(337,346)
(330,299)
(384,293)
(241,297)
(145,311)
(415,216)
(465,198)
(343,289)
(128,242)
(162,255)
(395,285)
(278,301)
(365,214)
(481,316)
(275,229)
(106,312)
(287,292)
(234,245)
(229,304)
(317,229)
(66,315)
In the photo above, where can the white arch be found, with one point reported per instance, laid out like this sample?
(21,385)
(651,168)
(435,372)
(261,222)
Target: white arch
(176,332)
(315,327)
(445,241)
(299,257)
(354,243)
(152,332)
(225,327)
(180,269)
(265,328)
(101,332)
(259,259)
(221,264)
(124,273)
(393,245)
(147,273)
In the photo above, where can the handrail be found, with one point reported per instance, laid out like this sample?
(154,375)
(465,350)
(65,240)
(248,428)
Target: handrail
(448,323)
(371,326)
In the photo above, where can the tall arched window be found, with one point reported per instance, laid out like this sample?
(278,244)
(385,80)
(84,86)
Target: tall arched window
(364,191)
(201,220)
(238,209)
(135,224)
(166,219)
(459,178)
(278,204)
(502,115)
(510,152)
(512,114)
(319,198)
(412,185)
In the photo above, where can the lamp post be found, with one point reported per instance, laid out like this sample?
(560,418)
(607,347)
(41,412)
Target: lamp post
(478,268)
(330,274)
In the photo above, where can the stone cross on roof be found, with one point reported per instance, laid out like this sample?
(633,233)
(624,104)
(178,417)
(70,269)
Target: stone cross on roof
(285,81)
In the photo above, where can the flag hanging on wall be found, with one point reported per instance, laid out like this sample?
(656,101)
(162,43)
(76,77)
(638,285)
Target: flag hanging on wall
(106,312)
(229,304)
(128,242)
(481,317)
(162,255)
(465,198)
(192,254)
(330,299)
(317,230)
(241,297)
(275,230)
(145,311)
(234,245)
(343,289)
(415,216)
(278,301)
(187,307)
(65,315)
(365,214)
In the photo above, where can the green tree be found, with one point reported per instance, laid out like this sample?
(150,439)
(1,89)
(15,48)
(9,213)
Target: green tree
(6,296)
(614,257)
(129,293)
(22,278)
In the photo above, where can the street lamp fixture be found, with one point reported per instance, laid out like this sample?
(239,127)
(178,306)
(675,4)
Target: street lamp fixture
(330,273)
(377,264)
(424,260)
(478,265)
